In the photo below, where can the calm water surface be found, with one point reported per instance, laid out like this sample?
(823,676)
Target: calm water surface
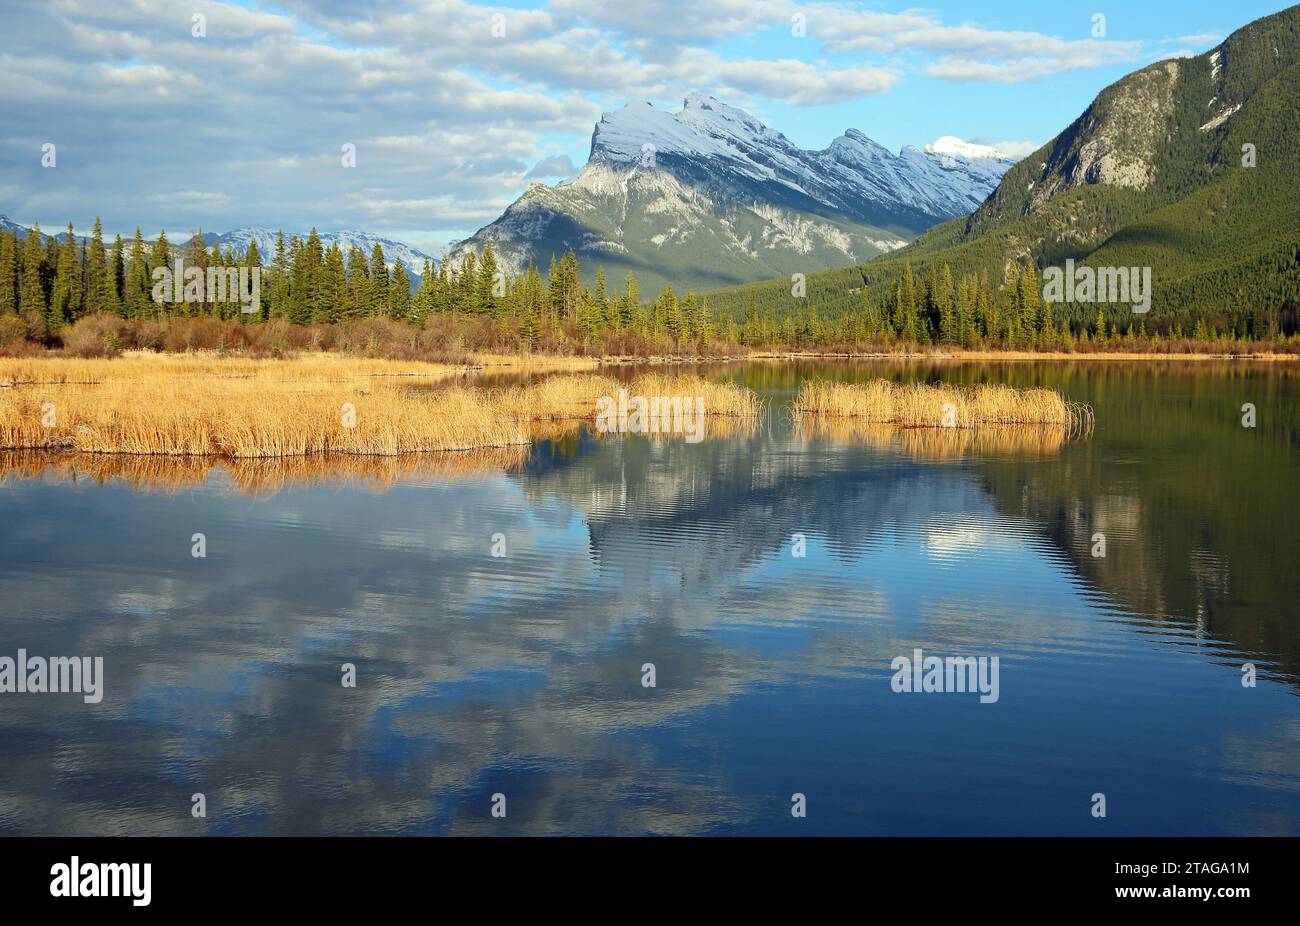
(521,674)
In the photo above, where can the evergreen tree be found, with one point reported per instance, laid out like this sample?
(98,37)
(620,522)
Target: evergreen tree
(908,317)
(161,256)
(378,281)
(441,295)
(691,320)
(97,279)
(602,294)
(399,301)
(572,285)
(987,308)
(116,276)
(1031,303)
(485,299)
(629,310)
(50,265)
(253,261)
(196,259)
(950,328)
(334,286)
(555,290)
(279,298)
(68,293)
(529,324)
(31,287)
(674,319)
(422,304)
(357,303)
(315,302)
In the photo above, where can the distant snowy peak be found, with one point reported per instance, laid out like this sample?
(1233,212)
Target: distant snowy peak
(394,251)
(952,146)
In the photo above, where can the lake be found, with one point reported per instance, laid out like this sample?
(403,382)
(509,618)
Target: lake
(767,577)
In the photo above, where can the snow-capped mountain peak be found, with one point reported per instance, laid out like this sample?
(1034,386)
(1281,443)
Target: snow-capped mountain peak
(709,195)
(953,146)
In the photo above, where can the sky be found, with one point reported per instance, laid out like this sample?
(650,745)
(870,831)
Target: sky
(162,119)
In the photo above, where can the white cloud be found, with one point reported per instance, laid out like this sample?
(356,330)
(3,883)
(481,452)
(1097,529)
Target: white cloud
(688,22)
(1201,38)
(802,84)
(967,51)
(1052,57)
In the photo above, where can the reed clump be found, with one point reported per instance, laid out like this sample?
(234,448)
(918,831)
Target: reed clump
(919,405)
(726,400)
(560,398)
(1016,440)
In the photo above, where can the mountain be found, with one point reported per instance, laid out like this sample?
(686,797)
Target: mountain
(9,225)
(708,196)
(1189,166)
(394,251)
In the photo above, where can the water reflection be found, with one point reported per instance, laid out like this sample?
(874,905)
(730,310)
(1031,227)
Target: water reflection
(522,674)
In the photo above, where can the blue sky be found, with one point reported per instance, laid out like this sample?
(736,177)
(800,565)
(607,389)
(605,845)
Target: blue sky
(453,105)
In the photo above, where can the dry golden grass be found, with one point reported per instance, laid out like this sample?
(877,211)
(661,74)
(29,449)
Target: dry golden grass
(1024,441)
(917,405)
(251,418)
(193,405)
(726,400)
(558,398)
(146,366)
(575,397)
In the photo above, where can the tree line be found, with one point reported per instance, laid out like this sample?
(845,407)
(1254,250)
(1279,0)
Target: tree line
(59,280)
